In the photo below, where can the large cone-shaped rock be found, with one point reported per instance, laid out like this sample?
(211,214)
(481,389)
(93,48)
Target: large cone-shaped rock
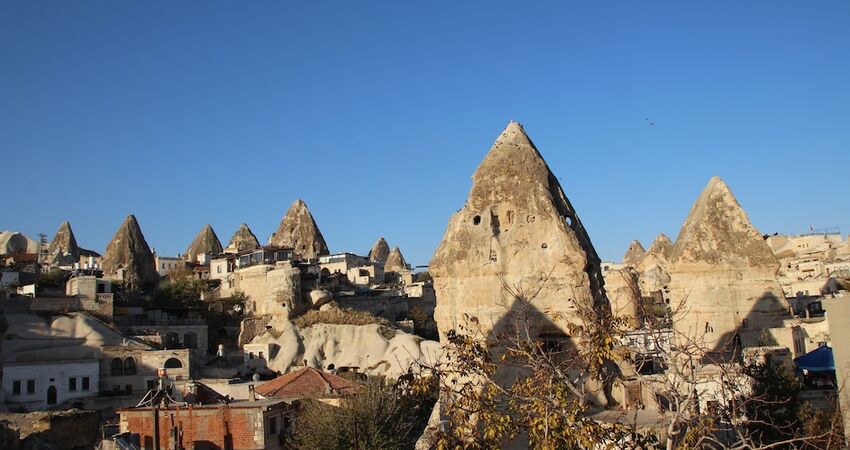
(634,254)
(63,248)
(517,229)
(395,261)
(725,273)
(380,251)
(298,230)
(242,240)
(205,242)
(129,258)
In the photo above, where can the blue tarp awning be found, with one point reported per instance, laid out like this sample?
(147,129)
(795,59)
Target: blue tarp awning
(817,360)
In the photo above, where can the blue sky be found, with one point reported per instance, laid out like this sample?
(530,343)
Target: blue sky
(376,114)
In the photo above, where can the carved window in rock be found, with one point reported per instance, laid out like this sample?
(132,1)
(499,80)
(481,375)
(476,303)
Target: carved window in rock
(117,367)
(129,366)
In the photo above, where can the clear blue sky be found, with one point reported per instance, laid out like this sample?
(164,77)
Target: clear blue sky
(377,114)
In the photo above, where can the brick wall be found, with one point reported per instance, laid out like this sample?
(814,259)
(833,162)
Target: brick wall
(204,427)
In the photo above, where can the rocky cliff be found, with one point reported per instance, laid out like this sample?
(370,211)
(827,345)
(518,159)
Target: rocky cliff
(298,230)
(242,240)
(205,242)
(129,258)
(516,229)
(380,251)
(63,248)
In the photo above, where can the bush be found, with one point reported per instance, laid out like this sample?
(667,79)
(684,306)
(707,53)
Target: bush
(338,316)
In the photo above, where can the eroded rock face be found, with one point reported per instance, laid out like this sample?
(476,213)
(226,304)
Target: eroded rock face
(129,258)
(517,227)
(272,290)
(205,242)
(298,230)
(374,349)
(63,248)
(395,261)
(725,273)
(380,251)
(634,254)
(242,240)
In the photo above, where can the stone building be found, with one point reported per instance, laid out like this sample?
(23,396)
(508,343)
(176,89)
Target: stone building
(132,370)
(39,384)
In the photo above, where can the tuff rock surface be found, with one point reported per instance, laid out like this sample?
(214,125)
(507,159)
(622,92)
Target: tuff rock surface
(63,249)
(128,254)
(724,273)
(395,261)
(375,349)
(243,239)
(380,251)
(205,242)
(298,230)
(634,254)
(516,229)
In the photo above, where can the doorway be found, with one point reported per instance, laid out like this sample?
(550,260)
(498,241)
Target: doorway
(51,395)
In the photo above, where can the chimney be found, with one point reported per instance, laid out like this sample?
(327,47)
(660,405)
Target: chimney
(252,395)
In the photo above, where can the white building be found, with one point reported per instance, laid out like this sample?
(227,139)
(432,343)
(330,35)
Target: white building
(46,383)
(166,264)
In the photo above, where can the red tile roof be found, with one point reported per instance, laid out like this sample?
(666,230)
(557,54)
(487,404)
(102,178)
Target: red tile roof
(307,383)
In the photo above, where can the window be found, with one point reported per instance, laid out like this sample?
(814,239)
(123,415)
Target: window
(173,363)
(86,383)
(16,387)
(30,386)
(218,269)
(72,384)
(117,367)
(162,266)
(273,425)
(250,355)
(128,389)
(190,340)
(129,366)
(260,356)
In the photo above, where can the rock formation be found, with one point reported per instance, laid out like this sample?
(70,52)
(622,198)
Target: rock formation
(380,251)
(374,349)
(129,258)
(652,268)
(724,272)
(298,230)
(634,254)
(623,290)
(272,290)
(395,261)
(205,242)
(13,242)
(63,250)
(518,228)
(242,240)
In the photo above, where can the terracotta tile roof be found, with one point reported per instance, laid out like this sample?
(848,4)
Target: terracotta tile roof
(307,383)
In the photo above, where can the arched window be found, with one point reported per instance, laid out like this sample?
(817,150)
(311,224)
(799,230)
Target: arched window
(173,363)
(129,366)
(172,340)
(117,366)
(190,340)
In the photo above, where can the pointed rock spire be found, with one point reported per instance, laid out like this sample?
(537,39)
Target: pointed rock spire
(634,253)
(380,251)
(718,232)
(518,229)
(243,239)
(63,249)
(395,261)
(205,242)
(658,254)
(298,230)
(129,258)
(723,274)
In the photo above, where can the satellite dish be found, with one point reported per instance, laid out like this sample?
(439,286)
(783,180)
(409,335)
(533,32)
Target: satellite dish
(255,377)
